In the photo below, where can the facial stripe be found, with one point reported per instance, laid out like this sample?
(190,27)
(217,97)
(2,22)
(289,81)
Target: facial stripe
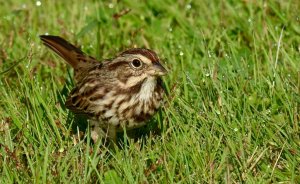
(131,81)
(144,59)
(115,65)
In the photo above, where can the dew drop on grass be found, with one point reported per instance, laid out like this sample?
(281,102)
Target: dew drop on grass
(38,3)
(265,5)
(207,74)
(170,29)
(61,150)
(110,5)
(181,53)
(209,55)
(188,6)
(235,129)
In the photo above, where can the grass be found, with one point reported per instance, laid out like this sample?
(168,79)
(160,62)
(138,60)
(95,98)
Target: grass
(232,114)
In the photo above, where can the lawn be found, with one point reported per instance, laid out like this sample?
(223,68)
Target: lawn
(232,110)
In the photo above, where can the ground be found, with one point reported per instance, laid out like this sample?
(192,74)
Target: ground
(232,105)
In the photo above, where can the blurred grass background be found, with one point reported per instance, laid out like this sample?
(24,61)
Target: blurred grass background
(233,89)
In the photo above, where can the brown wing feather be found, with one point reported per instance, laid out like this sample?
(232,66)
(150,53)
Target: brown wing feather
(81,98)
(77,104)
(73,55)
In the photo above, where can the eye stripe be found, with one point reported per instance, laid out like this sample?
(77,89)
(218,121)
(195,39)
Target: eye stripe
(113,66)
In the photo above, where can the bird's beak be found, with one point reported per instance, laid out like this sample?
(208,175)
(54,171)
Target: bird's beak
(159,69)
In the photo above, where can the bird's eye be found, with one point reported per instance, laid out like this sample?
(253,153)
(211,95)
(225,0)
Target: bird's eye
(136,63)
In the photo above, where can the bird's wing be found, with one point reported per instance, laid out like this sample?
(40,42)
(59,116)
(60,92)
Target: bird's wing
(85,97)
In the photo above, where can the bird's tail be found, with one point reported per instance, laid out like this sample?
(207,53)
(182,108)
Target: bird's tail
(73,55)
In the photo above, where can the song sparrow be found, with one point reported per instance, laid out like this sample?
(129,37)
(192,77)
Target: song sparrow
(118,93)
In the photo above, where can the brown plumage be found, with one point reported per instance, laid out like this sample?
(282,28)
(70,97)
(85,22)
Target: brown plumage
(123,92)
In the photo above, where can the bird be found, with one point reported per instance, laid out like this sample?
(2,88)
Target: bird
(116,94)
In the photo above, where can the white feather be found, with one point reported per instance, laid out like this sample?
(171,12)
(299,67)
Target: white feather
(147,89)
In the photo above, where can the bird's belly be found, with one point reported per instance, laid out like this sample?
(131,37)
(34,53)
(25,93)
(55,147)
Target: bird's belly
(131,117)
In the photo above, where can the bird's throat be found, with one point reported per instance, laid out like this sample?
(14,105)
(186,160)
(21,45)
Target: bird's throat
(147,88)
